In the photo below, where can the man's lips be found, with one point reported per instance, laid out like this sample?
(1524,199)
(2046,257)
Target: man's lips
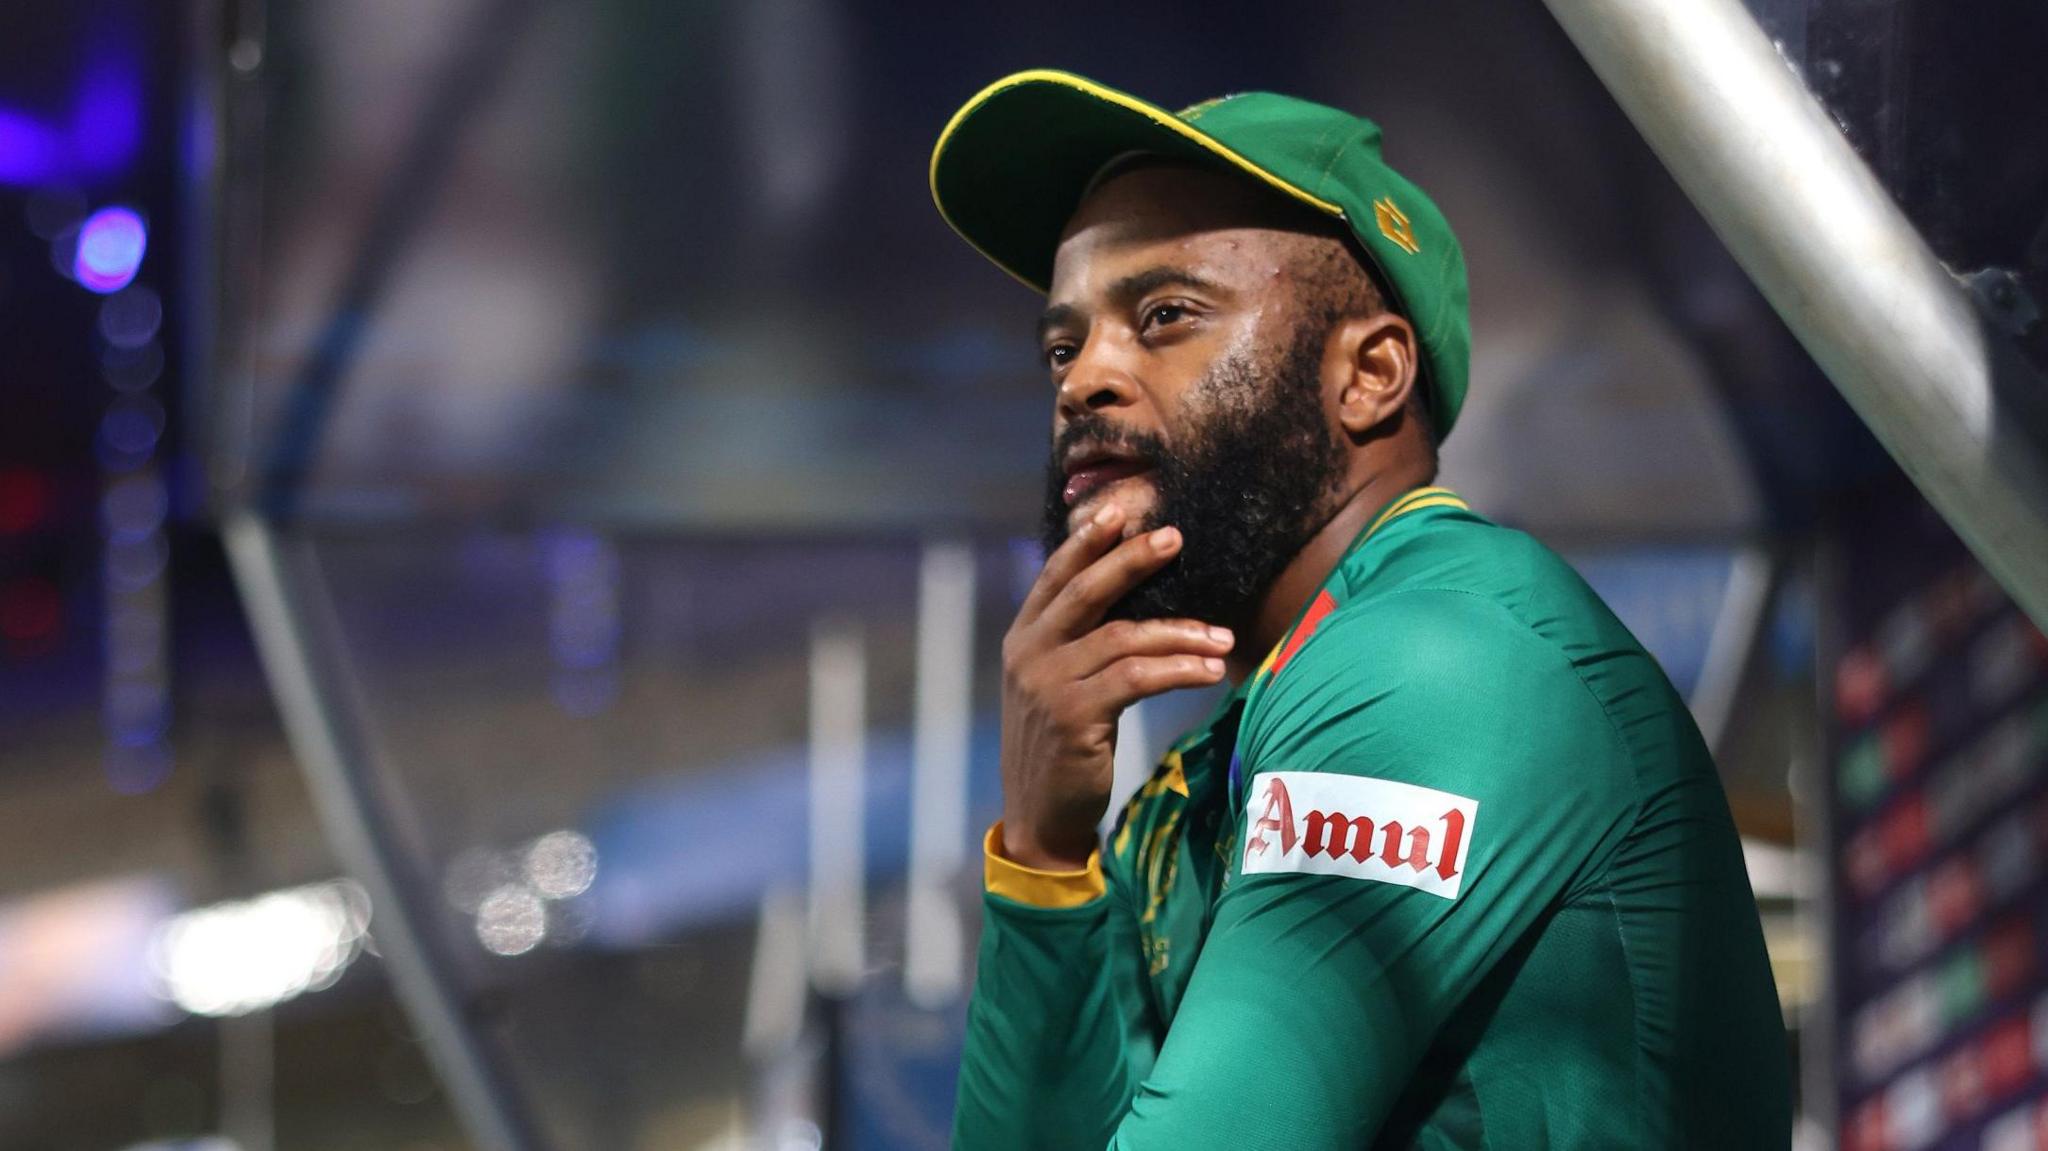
(1090,477)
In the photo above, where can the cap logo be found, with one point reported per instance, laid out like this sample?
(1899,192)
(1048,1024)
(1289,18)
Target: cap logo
(1394,225)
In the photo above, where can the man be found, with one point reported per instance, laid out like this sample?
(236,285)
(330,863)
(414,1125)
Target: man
(1450,866)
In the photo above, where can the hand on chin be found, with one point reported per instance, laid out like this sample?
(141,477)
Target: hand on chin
(1135,496)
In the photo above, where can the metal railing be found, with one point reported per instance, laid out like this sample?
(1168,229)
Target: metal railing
(1947,394)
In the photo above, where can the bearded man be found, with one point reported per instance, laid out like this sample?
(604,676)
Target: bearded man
(1449,866)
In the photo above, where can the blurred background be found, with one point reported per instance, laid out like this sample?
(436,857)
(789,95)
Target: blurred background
(508,509)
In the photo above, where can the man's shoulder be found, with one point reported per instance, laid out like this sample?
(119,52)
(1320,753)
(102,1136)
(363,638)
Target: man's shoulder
(1459,589)
(1455,645)
(1464,655)
(1466,644)
(1458,550)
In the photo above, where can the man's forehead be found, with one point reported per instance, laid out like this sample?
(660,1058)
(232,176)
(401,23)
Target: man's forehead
(1176,211)
(1162,199)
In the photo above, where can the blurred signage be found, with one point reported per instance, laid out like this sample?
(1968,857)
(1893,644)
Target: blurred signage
(1938,793)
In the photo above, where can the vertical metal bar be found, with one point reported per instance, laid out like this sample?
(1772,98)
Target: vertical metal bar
(787,1063)
(934,972)
(838,833)
(248,1080)
(1744,612)
(1953,402)
(290,618)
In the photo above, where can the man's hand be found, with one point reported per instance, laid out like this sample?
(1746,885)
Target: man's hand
(1067,676)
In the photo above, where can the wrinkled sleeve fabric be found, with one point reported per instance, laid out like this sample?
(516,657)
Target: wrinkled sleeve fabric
(1317,995)
(1058,1031)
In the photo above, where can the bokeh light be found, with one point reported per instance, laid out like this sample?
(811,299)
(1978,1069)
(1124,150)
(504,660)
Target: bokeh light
(130,317)
(134,507)
(31,612)
(234,958)
(111,243)
(561,864)
(511,921)
(24,500)
(131,370)
(129,432)
(136,770)
(474,874)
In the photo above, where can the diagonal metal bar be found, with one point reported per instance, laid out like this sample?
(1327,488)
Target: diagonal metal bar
(1952,400)
(483,51)
(290,616)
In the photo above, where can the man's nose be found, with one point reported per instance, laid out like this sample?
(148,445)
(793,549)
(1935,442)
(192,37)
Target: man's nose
(1096,381)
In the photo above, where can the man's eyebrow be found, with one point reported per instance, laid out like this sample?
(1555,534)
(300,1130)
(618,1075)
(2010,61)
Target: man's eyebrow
(1161,276)
(1059,316)
(1129,288)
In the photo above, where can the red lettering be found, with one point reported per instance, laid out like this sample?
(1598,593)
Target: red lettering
(1454,840)
(1418,846)
(1278,816)
(1332,831)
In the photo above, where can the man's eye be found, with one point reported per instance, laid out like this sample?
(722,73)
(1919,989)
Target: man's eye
(1161,314)
(1059,355)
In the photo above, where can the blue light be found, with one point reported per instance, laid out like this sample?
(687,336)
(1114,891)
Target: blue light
(110,247)
(101,136)
(30,153)
(106,120)
(103,132)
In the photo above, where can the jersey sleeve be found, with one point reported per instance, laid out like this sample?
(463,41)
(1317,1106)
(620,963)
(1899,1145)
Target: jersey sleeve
(1057,1033)
(1420,784)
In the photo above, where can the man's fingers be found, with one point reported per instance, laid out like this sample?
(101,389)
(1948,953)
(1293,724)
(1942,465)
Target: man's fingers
(1080,605)
(1081,548)
(1120,638)
(1137,677)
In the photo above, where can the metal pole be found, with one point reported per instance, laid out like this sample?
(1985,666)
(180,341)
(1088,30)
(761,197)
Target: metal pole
(1738,625)
(1952,400)
(248,1080)
(838,791)
(288,616)
(478,60)
(933,958)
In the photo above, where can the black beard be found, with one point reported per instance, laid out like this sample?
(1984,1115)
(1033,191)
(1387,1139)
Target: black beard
(1247,490)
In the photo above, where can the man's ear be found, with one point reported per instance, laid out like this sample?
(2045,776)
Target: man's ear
(1376,358)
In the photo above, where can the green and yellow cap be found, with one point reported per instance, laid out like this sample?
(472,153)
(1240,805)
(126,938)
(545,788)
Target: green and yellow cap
(1014,162)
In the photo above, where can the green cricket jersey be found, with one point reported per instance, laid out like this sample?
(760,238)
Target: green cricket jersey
(1453,870)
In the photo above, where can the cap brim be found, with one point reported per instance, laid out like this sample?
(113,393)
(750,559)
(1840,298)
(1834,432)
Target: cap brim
(1014,162)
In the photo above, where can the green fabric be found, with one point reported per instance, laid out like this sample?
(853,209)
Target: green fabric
(1011,167)
(1599,980)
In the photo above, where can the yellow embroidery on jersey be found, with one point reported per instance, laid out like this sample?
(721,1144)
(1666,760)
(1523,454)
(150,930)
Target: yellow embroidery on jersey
(1156,949)
(1161,866)
(1122,844)
(1171,775)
